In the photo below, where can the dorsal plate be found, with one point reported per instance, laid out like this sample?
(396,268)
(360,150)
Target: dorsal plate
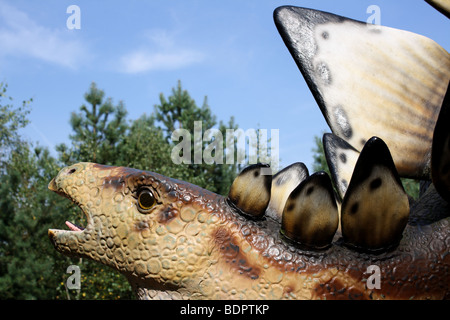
(283,183)
(311,216)
(250,191)
(375,208)
(371,81)
(341,158)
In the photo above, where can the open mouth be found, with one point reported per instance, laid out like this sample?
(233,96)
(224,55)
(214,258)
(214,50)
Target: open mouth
(77,227)
(82,221)
(72,226)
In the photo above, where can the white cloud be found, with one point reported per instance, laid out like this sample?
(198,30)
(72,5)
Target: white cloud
(21,36)
(161,53)
(145,60)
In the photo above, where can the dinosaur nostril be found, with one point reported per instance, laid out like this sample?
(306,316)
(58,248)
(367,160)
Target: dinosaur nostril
(71,171)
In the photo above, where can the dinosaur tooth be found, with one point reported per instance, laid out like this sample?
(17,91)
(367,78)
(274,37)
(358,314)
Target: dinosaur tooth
(375,208)
(440,151)
(310,216)
(250,191)
(443,6)
(370,80)
(283,183)
(341,159)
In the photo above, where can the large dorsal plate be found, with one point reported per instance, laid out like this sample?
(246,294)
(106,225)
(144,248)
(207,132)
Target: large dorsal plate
(371,81)
(443,6)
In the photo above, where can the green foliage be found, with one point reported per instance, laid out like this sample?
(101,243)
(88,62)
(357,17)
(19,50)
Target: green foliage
(145,147)
(11,119)
(96,136)
(412,187)
(320,162)
(26,212)
(180,111)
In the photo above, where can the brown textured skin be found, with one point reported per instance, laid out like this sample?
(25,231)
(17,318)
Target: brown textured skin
(192,245)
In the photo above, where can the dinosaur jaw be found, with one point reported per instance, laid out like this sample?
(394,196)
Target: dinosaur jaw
(69,241)
(72,242)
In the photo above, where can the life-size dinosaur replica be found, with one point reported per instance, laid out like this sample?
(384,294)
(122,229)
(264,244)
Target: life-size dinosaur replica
(290,235)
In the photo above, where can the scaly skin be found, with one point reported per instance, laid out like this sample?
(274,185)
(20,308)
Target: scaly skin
(193,245)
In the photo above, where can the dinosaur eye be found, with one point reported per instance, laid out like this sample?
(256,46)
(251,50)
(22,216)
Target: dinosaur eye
(146,200)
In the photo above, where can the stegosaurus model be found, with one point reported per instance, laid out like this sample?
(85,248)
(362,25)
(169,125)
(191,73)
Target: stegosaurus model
(290,236)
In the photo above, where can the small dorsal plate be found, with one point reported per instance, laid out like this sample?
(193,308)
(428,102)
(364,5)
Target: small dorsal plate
(283,183)
(310,216)
(250,191)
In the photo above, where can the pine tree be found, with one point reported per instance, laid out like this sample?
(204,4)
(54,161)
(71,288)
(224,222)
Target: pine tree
(27,211)
(180,111)
(11,120)
(320,162)
(96,135)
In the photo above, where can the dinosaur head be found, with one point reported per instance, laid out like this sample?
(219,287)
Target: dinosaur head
(140,223)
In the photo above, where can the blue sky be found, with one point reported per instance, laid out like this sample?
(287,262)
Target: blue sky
(229,51)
